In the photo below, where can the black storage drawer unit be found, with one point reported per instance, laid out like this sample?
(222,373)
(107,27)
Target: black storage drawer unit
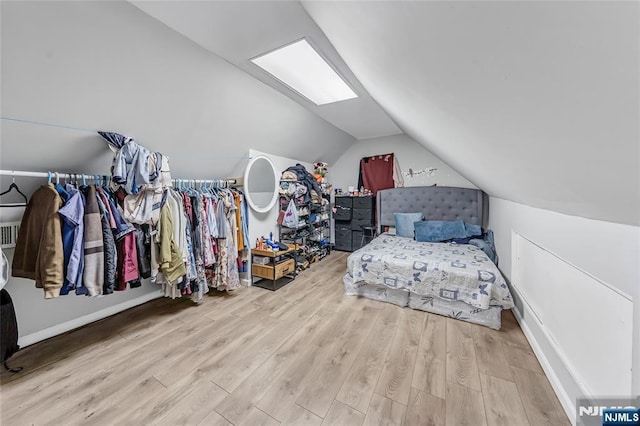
(362,214)
(363,202)
(357,224)
(342,213)
(356,239)
(343,232)
(344,202)
(343,245)
(352,213)
(342,236)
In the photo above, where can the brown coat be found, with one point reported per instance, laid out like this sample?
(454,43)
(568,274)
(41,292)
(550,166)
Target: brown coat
(39,255)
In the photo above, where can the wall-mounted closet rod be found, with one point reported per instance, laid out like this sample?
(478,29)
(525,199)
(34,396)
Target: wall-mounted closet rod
(57,175)
(45,174)
(229,181)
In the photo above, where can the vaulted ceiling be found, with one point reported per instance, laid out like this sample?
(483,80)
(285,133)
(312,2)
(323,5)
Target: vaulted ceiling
(239,31)
(534,102)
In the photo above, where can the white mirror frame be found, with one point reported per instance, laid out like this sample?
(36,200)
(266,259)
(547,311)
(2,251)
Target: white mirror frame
(247,193)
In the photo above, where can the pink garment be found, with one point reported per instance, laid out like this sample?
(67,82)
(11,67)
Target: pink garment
(207,246)
(127,261)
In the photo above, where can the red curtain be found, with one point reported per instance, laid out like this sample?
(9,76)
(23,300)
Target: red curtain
(376,172)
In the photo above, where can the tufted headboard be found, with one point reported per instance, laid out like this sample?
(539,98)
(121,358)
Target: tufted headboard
(435,202)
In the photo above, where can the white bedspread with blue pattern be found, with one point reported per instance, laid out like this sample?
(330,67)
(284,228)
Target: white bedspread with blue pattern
(449,271)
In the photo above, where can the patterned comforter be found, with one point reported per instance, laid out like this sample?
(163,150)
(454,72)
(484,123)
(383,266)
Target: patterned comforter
(449,271)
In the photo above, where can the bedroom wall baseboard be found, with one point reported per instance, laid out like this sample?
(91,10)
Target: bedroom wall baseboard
(568,404)
(58,329)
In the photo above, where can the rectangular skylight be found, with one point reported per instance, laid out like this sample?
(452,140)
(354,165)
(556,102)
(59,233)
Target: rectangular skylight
(300,67)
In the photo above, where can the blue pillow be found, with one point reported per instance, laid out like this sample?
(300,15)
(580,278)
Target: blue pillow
(473,230)
(404,223)
(433,231)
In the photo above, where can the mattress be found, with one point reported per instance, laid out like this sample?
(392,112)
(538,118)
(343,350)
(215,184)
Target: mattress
(459,310)
(455,280)
(446,271)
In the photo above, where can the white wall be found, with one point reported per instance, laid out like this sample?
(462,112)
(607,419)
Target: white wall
(576,283)
(411,155)
(533,101)
(109,66)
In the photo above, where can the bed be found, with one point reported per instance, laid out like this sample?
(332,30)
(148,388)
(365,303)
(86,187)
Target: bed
(456,280)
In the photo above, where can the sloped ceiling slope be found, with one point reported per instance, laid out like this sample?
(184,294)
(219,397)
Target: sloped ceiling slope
(534,102)
(108,65)
(240,30)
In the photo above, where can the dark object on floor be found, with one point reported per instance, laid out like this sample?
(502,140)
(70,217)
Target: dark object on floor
(368,234)
(8,330)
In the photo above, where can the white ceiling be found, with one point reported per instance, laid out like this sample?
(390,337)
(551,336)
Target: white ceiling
(241,30)
(534,102)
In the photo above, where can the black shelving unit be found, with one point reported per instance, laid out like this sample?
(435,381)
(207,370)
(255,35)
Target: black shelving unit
(315,228)
(352,213)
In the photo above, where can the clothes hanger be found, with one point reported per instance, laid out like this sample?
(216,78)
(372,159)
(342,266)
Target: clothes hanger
(11,187)
(192,190)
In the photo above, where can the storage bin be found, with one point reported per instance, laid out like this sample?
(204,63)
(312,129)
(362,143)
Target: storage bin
(261,260)
(362,214)
(342,213)
(343,202)
(363,202)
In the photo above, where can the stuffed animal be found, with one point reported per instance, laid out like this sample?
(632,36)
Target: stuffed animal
(320,169)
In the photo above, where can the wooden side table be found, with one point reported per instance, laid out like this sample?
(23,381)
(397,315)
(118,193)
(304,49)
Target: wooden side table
(280,270)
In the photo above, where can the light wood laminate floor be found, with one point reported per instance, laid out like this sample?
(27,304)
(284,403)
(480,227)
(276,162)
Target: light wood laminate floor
(304,355)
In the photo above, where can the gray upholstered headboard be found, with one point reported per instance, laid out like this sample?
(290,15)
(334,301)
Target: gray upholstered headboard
(435,202)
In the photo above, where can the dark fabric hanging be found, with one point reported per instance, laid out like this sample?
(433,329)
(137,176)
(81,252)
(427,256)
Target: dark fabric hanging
(376,173)
(8,328)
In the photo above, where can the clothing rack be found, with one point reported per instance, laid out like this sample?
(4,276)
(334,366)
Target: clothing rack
(58,175)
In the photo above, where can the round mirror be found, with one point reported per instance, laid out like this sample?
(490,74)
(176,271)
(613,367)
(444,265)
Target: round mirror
(260,184)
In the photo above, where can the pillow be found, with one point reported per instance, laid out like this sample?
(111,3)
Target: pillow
(433,231)
(404,223)
(473,230)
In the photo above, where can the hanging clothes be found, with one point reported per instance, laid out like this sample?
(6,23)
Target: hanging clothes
(174,201)
(143,249)
(244,211)
(127,263)
(72,215)
(237,200)
(110,250)
(93,272)
(171,264)
(39,253)
(117,231)
(131,166)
